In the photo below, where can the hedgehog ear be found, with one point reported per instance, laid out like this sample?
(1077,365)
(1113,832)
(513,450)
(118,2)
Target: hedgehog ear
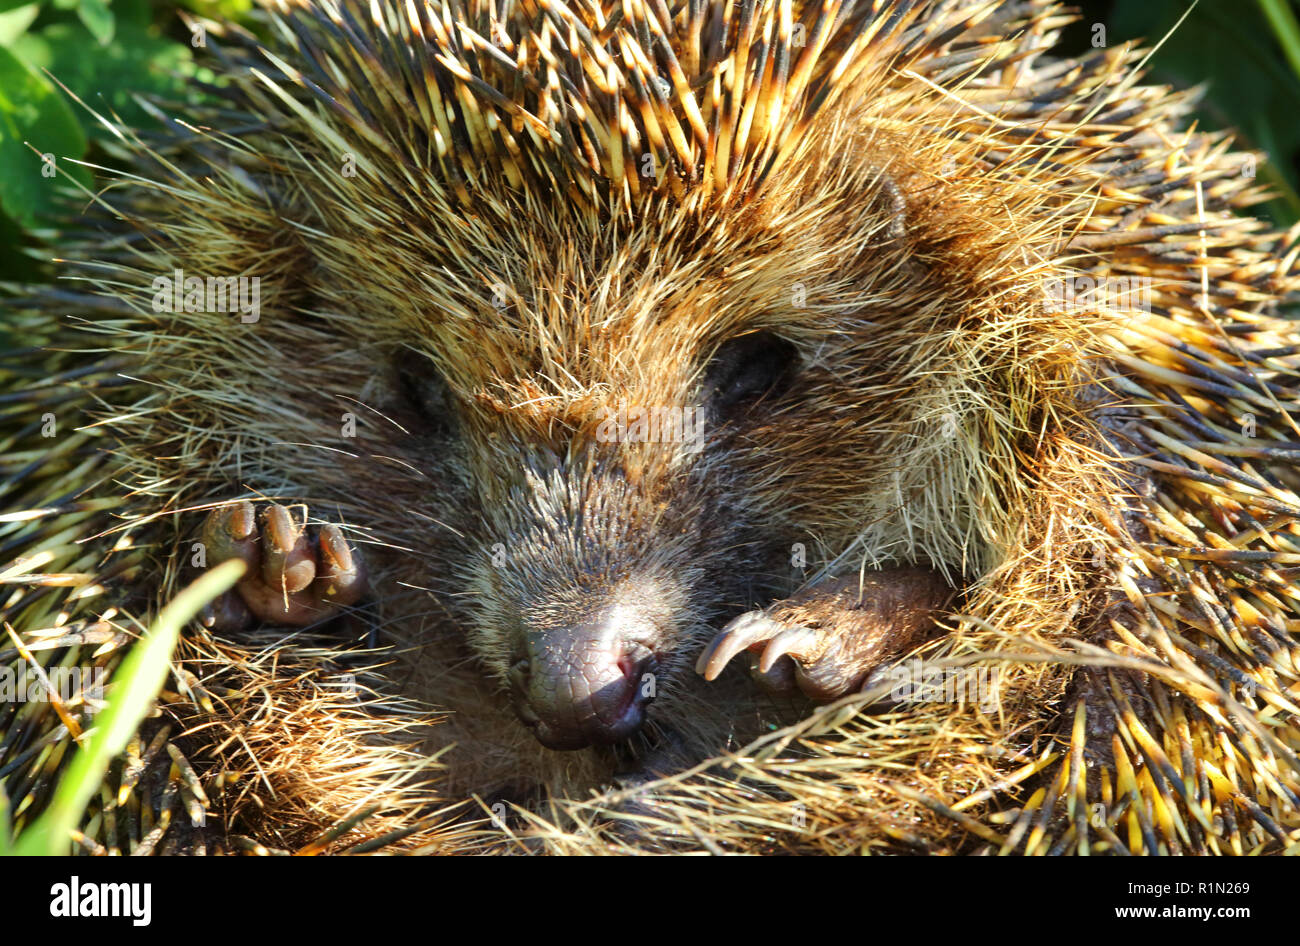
(746,370)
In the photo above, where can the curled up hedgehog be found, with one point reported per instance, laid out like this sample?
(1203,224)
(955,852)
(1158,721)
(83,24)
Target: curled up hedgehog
(723,425)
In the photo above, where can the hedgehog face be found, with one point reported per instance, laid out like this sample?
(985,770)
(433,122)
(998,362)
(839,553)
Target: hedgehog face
(604,445)
(625,417)
(613,538)
(635,427)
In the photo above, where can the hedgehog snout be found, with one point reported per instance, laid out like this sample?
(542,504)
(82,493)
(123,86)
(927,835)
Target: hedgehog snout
(587,683)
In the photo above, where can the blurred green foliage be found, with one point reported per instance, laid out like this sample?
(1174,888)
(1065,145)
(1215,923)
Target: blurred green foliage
(108,52)
(1245,54)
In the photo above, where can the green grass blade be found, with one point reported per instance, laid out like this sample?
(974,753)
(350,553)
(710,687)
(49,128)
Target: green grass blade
(6,825)
(1282,18)
(136,685)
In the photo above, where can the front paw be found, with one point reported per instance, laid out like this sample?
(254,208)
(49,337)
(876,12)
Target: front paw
(826,640)
(295,576)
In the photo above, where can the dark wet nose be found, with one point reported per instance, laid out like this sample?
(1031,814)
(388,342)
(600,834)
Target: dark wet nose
(585,684)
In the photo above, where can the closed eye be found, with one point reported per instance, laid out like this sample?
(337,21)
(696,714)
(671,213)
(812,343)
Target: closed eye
(747,370)
(426,391)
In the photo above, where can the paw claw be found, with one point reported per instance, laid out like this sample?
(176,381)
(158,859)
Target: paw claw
(293,579)
(241,522)
(793,641)
(742,633)
(341,579)
(231,532)
(826,639)
(334,551)
(287,561)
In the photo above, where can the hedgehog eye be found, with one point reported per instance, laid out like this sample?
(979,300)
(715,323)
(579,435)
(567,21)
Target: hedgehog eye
(425,390)
(747,369)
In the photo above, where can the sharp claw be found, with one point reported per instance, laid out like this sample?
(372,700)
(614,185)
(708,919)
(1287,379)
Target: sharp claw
(287,562)
(231,532)
(706,655)
(241,522)
(341,578)
(789,642)
(738,635)
(334,552)
(281,533)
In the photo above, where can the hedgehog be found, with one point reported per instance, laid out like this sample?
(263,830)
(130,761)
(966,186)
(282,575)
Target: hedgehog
(706,426)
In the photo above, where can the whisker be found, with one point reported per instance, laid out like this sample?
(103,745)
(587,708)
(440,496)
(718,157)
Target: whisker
(375,411)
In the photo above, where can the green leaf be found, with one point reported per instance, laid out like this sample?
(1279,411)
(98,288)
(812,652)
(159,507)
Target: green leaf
(32,112)
(98,19)
(219,9)
(1237,53)
(15,18)
(15,264)
(136,12)
(135,686)
(135,63)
